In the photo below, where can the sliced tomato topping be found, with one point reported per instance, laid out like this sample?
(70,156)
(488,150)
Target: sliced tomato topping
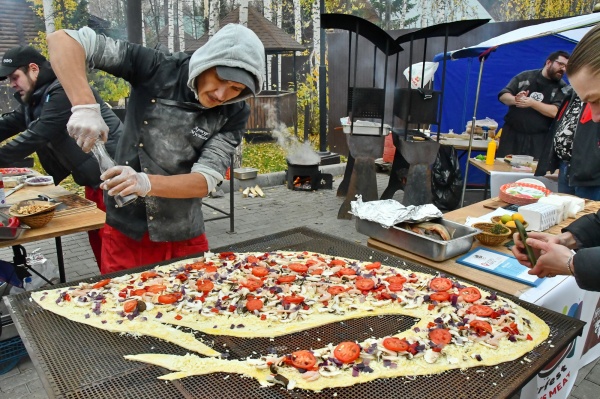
(337,262)
(149,274)
(252,259)
(481,327)
(316,272)
(298,267)
(440,336)
(167,299)
(395,344)
(260,271)
(138,292)
(469,294)
(204,285)
(440,296)
(373,266)
(227,255)
(156,289)
(130,306)
(210,268)
(346,271)
(198,265)
(252,284)
(440,284)
(397,279)
(101,283)
(182,277)
(395,287)
(293,299)
(336,289)
(365,284)
(480,310)
(303,359)
(311,262)
(254,304)
(347,352)
(286,279)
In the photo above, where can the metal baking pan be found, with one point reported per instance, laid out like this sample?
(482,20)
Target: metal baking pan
(424,246)
(245,173)
(9,233)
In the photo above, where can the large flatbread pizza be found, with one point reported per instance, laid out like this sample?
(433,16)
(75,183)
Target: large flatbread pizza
(278,293)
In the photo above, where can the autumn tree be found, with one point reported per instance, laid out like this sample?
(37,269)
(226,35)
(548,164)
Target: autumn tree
(516,10)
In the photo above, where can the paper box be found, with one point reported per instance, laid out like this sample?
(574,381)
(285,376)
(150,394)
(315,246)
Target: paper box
(539,216)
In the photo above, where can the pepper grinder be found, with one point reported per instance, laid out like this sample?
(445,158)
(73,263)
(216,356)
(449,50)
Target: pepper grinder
(106,162)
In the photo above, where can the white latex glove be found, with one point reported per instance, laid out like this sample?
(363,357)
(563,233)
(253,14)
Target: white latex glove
(124,180)
(86,125)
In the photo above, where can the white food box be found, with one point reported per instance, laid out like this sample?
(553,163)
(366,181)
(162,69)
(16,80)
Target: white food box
(561,202)
(364,127)
(539,216)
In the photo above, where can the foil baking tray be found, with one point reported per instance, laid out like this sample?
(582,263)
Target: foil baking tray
(424,246)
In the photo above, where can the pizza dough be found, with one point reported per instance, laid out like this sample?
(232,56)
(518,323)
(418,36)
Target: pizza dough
(277,293)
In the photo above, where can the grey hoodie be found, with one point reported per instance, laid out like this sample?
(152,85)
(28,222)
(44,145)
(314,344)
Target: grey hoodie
(233,46)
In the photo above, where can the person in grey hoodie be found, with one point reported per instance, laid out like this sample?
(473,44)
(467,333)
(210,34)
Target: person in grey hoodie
(185,117)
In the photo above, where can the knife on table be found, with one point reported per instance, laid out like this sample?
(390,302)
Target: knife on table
(17,188)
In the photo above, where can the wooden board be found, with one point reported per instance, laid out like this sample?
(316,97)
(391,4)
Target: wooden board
(73,203)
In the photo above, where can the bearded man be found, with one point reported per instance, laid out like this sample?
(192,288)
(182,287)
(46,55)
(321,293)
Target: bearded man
(533,98)
(40,125)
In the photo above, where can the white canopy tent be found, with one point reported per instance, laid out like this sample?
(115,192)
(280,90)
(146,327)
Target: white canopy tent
(573,28)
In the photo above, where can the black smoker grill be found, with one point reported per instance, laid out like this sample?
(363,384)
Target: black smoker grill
(307,177)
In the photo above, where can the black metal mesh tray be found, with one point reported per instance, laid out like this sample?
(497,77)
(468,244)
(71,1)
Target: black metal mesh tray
(79,361)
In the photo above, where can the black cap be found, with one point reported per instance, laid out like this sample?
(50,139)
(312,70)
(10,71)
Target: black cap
(18,57)
(238,75)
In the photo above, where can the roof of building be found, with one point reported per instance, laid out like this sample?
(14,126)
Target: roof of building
(274,39)
(17,25)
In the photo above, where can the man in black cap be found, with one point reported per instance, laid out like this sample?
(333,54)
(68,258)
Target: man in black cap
(185,117)
(41,126)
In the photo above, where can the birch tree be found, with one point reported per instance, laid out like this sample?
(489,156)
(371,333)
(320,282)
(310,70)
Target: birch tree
(297,21)
(170,26)
(48,16)
(180,25)
(244,12)
(279,25)
(316,52)
(268,12)
(213,19)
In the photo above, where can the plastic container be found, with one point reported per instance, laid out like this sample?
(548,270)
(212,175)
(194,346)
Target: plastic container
(11,351)
(526,160)
(2,194)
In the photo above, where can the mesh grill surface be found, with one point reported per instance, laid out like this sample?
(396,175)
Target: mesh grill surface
(79,361)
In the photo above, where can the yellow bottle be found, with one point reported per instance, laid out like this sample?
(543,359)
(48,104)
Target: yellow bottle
(490,157)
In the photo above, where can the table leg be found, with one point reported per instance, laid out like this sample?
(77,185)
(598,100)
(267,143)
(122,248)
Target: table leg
(486,188)
(60,259)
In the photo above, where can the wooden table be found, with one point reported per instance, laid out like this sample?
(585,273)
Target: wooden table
(479,276)
(85,220)
(500,167)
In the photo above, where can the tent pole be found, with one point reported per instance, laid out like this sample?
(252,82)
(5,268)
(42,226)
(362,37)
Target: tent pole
(462,197)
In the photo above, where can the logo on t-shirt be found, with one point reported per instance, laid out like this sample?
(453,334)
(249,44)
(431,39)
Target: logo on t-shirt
(537,96)
(200,133)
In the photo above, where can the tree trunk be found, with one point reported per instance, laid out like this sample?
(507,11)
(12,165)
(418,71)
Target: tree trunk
(180,26)
(213,20)
(134,21)
(268,15)
(244,12)
(316,17)
(49,16)
(171,27)
(297,21)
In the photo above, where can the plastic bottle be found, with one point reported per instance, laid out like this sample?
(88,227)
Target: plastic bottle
(490,157)
(27,285)
(2,195)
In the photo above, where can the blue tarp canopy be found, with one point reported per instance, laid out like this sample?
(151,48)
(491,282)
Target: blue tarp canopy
(509,54)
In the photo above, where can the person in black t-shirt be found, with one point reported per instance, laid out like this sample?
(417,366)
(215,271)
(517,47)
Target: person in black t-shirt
(533,98)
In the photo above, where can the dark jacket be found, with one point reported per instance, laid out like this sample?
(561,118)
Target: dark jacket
(43,122)
(586,231)
(584,166)
(167,131)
